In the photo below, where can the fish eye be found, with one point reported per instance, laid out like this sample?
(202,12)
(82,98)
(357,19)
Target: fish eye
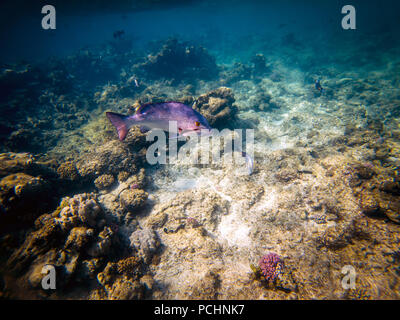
(197,124)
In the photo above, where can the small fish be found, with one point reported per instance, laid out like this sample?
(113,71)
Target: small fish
(249,162)
(318,86)
(118,34)
(134,80)
(158,115)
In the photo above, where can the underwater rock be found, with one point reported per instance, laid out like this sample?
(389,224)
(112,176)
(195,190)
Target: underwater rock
(357,294)
(67,239)
(110,158)
(368,204)
(179,61)
(46,236)
(122,280)
(139,180)
(104,181)
(217,107)
(206,288)
(68,171)
(35,274)
(364,172)
(23,184)
(392,187)
(81,209)
(88,269)
(392,210)
(132,199)
(78,237)
(14,162)
(286,282)
(11,162)
(259,65)
(21,193)
(206,208)
(359,174)
(123,289)
(188,100)
(34,129)
(265,102)
(146,242)
(377,190)
(103,243)
(123,176)
(238,72)
(286,175)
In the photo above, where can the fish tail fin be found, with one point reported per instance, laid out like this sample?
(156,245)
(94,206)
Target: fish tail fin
(120,122)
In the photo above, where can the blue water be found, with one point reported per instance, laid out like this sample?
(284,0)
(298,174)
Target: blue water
(216,24)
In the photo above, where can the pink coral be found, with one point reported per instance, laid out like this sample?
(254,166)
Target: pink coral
(271,266)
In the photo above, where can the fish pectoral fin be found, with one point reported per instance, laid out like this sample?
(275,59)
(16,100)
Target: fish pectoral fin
(144,129)
(249,162)
(175,135)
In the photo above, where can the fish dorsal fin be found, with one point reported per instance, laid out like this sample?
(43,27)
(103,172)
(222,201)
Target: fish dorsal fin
(139,108)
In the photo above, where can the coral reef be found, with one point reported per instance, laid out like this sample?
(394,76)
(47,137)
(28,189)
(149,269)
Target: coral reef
(123,280)
(104,181)
(377,193)
(217,107)
(20,190)
(238,72)
(179,61)
(110,159)
(27,189)
(68,171)
(133,198)
(75,239)
(324,193)
(271,266)
(77,210)
(146,242)
(260,65)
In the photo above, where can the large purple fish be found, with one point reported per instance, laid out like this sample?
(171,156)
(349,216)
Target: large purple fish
(158,115)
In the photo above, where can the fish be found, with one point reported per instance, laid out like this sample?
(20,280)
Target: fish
(249,162)
(158,115)
(318,86)
(118,34)
(134,80)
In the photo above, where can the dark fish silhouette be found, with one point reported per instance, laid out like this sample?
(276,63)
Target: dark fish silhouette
(118,34)
(318,86)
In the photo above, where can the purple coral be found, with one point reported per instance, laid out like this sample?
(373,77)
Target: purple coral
(134,186)
(271,266)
